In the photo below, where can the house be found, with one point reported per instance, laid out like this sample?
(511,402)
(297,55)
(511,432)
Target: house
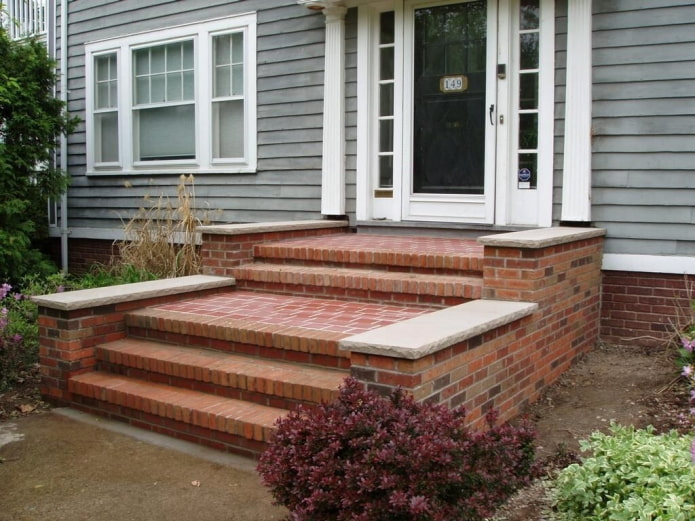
(411,117)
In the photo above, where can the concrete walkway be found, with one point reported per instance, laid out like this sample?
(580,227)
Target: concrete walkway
(65,465)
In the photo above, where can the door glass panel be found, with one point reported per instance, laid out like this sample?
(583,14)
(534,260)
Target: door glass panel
(528,131)
(529,50)
(449,99)
(529,14)
(528,90)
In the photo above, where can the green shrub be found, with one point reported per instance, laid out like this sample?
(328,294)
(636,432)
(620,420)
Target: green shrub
(631,475)
(31,119)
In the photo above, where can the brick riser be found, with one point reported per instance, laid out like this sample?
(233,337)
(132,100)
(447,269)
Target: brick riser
(411,254)
(270,383)
(411,264)
(221,423)
(360,284)
(267,352)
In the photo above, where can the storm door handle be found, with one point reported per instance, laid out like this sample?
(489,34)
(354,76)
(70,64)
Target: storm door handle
(492,112)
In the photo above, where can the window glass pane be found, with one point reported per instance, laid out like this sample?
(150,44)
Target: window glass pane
(528,90)
(238,80)
(387,28)
(103,94)
(142,90)
(113,94)
(228,129)
(166,133)
(238,48)
(529,51)
(529,14)
(386,135)
(157,63)
(101,64)
(106,127)
(222,50)
(157,89)
(188,85)
(173,53)
(142,61)
(223,85)
(529,162)
(386,99)
(386,63)
(174,87)
(188,54)
(528,131)
(385,171)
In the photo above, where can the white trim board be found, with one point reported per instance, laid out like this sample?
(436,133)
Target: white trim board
(677,265)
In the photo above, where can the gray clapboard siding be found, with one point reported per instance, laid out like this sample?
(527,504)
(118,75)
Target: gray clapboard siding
(643,154)
(290,45)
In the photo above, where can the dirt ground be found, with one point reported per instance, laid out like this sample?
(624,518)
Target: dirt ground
(54,467)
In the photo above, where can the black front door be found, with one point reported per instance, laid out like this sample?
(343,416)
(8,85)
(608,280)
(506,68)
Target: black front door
(449,98)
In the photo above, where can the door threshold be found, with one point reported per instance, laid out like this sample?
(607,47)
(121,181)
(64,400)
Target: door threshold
(437,229)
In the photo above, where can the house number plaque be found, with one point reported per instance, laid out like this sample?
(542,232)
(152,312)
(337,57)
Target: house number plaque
(453,83)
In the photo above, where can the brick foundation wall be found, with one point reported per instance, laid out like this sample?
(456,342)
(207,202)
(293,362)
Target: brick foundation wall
(643,308)
(84,253)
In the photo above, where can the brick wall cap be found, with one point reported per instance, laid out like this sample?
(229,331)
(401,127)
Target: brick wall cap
(269,227)
(88,298)
(541,237)
(427,334)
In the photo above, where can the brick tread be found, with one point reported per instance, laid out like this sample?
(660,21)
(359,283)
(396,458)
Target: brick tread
(271,377)
(380,250)
(245,419)
(363,279)
(283,322)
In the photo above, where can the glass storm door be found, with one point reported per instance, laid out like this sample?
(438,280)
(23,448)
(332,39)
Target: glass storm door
(452,107)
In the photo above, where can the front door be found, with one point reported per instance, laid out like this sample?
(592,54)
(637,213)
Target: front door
(451,172)
(455,111)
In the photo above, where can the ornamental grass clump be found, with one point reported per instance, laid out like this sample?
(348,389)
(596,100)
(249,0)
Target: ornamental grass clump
(366,457)
(631,475)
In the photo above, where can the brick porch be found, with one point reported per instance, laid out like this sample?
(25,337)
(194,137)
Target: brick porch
(285,311)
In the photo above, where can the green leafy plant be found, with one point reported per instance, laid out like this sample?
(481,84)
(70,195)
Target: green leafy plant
(19,331)
(31,119)
(633,474)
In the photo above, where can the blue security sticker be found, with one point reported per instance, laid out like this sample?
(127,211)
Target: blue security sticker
(524,175)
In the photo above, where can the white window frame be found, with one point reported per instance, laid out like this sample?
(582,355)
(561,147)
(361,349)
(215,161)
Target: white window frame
(202,35)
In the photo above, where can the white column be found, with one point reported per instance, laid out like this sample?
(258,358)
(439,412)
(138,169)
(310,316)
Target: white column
(576,177)
(333,169)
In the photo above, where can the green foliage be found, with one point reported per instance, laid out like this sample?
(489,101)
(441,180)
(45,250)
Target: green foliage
(19,330)
(31,119)
(632,475)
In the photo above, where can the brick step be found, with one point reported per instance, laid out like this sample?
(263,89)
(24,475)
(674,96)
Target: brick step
(446,256)
(272,383)
(224,423)
(266,325)
(362,284)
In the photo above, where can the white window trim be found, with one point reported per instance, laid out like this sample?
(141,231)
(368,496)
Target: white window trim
(202,34)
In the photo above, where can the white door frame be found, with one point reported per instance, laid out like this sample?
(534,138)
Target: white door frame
(507,204)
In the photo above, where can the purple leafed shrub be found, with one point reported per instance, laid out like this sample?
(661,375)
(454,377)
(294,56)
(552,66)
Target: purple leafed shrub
(366,457)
